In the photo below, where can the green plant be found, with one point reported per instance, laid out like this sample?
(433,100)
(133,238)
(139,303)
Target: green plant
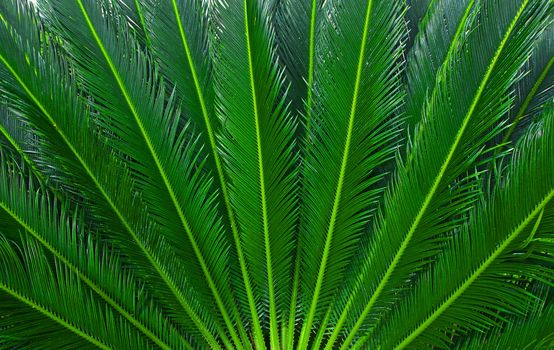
(186,174)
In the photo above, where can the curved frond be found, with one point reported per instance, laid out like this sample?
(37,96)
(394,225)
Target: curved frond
(354,130)
(64,124)
(259,151)
(34,292)
(25,207)
(454,133)
(165,160)
(473,272)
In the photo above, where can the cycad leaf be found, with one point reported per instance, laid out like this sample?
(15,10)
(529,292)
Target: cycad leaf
(166,163)
(55,111)
(32,292)
(354,128)
(258,147)
(470,283)
(453,134)
(27,208)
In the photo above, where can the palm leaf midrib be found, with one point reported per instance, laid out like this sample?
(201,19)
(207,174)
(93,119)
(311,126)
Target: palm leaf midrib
(164,177)
(340,181)
(103,192)
(436,182)
(83,276)
(538,210)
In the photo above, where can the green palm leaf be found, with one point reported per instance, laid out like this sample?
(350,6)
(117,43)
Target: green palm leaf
(498,237)
(461,139)
(83,158)
(160,149)
(355,131)
(54,298)
(26,208)
(259,152)
(254,174)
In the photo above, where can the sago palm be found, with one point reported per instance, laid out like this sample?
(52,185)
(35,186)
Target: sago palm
(276,174)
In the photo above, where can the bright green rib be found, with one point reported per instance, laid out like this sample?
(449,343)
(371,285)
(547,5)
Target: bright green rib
(436,182)
(273,327)
(428,12)
(112,205)
(480,270)
(294,299)
(311,60)
(162,173)
(443,68)
(53,317)
(143,23)
(528,100)
(306,329)
(98,290)
(448,57)
(321,332)
(309,104)
(221,176)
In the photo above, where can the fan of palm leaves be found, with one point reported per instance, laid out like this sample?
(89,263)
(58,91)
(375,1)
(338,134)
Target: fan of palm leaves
(276,174)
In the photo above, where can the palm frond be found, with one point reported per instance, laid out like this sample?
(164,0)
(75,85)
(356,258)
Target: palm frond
(454,133)
(27,207)
(165,161)
(179,40)
(353,131)
(474,271)
(253,174)
(34,292)
(64,124)
(258,150)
